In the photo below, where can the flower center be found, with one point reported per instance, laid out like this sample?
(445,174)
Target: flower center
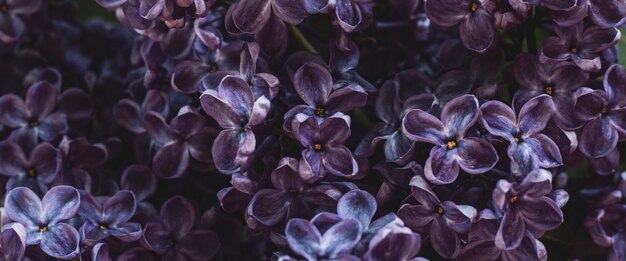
(549,90)
(43,228)
(513,199)
(4,8)
(33,123)
(103,227)
(451,144)
(603,110)
(440,210)
(320,111)
(517,139)
(574,50)
(213,68)
(293,190)
(474,7)
(31,172)
(184,136)
(317,146)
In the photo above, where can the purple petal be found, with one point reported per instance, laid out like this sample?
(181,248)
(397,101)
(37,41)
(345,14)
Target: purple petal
(119,208)
(313,83)
(269,206)
(339,161)
(607,13)
(11,28)
(90,207)
(260,109)
(285,175)
(358,205)
(553,50)
(590,105)
(423,193)
(348,15)
(13,241)
(13,112)
(250,16)
(100,252)
(157,128)
(441,167)
(615,85)
(226,148)
(459,217)
(156,237)
(444,240)
(540,214)
(291,12)
(236,93)
(511,231)
(187,76)
(398,147)
(341,237)
(304,239)
(499,119)
(172,160)
(335,130)
(460,114)
(535,114)
(51,126)
(76,104)
(40,99)
(188,124)
(345,99)
(476,155)
(126,232)
(128,114)
(110,4)
(596,39)
(178,216)
(447,13)
(24,206)
(477,32)
(140,180)
(310,167)
(220,110)
(61,241)
(598,138)
(421,126)
(60,203)
(12,159)
(417,217)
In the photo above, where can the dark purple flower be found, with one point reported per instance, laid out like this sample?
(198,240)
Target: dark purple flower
(250,16)
(12,26)
(606,224)
(129,114)
(314,84)
(526,208)
(184,138)
(452,149)
(604,112)
(473,17)
(43,218)
(578,44)
(291,197)
(344,60)
(482,246)
(109,217)
(174,237)
(604,13)
(12,242)
(608,164)
(262,83)
(389,108)
(529,149)
(234,108)
(351,15)
(75,159)
(392,241)
(100,252)
(324,150)
(317,239)
(444,221)
(560,82)
(32,118)
(36,171)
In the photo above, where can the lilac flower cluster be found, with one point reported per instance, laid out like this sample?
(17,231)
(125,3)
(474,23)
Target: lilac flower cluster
(312,130)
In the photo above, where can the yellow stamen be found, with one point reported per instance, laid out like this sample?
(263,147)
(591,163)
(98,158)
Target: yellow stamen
(317,146)
(549,90)
(440,210)
(320,111)
(574,50)
(513,200)
(43,229)
(474,7)
(451,144)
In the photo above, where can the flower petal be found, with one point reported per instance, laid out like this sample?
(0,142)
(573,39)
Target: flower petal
(598,138)
(499,119)
(157,128)
(358,205)
(12,159)
(178,216)
(313,83)
(199,244)
(60,203)
(269,206)
(447,13)
(120,207)
(421,126)
(61,241)
(341,237)
(444,240)
(460,114)
(172,160)
(441,166)
(535,114)
(477,32)
(24,206)
(41,99)
(339,161)
(140,180)
(303,238)
(511,231)
(13,112)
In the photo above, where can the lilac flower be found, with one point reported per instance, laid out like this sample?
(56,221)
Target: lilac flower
(34,117)
(525,208)
(452,149)
(344,60)
(474,19)
(109,217)
(129,114)
(393,241)
(324,150)
(560,82)
(171,11)
(482,246)
(35,172)
(74,159)
(184,138)
(578,44)
(606,223)
(315,239)
(12,26)
(234,108)
(291,197)
(444,221)
(43,218)
(603,13)
(12,242)
(604,112)
(250,16)
(389,108)
(314,85)
(351,15)
(100,252)
(528,149)
(174,237)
